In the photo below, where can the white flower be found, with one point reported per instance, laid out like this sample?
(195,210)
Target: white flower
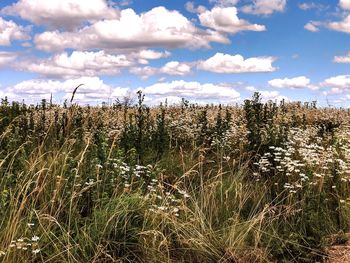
(35,238)
(36,251)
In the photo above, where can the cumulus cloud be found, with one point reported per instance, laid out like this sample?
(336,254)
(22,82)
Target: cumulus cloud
(10,31)
(80,63)
(224,3)
(264,7)
(342,26)
(174,68)
(148,54)
(312,5)
(312,26)
(224,63)
(94,90)
(337,84)
(158,27)
(36,87)
(6,57)
(251,89)
(58,13)
(293,83)
(77,64)
(190,7)
(225,19)
(193,91)
(345,4)
(342,59)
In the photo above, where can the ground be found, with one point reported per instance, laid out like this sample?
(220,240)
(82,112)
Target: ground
(339,253)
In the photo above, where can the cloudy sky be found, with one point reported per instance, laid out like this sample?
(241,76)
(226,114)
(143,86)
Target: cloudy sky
(201,50)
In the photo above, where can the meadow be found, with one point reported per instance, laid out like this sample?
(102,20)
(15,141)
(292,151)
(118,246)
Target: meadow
(257,182)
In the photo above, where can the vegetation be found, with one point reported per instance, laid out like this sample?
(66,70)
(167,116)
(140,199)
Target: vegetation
(188,183)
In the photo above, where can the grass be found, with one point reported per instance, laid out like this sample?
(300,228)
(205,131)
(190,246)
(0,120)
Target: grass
(259,183)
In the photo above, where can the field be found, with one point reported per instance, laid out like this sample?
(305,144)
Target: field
(257,182)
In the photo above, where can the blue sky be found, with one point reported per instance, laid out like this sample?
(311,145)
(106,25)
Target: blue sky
(205,50)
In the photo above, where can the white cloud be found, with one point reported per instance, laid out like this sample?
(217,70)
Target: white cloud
(265,7)
(312,26)
(225,19)
(224,3)
(9,95)
(174,68)
(158,27)
(58,13)
(190,7)
(144,72)
(342,26)
(6,57)
(43,86)
(36,87)
(342,59)
(251,88)
(94,90)
(345,4)
(193,91)
(10,31)
(148,54)
(293,83)
(337,84)
(78,64)
(224,63)
(311,5)
(97,97)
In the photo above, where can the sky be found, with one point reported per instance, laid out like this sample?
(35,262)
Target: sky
(206,51)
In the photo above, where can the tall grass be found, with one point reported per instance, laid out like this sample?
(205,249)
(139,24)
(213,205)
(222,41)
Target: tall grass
(262,183)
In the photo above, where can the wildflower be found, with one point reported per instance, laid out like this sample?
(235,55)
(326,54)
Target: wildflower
(91,182)
(226,158)
(35,238)
(36,251)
